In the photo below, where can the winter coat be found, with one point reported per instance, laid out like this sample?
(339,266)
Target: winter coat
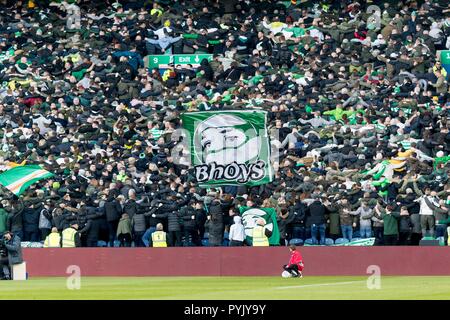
(215,229)
(186,214)
(283,224)
(30,218)
(405,224)
(138,222)
(130,208)
(237,232)
(15,221)
(173,216)
(113,210)
(124,226)
(93,231)
(299,214)
(45,219)
(317,212)
(334,223)
(14,250)
(390,223)
(365,216)
(346,218)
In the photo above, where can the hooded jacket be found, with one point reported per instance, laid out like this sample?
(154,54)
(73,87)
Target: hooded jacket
(237,232)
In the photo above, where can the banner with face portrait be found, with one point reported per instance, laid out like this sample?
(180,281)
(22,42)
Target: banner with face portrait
(229,147)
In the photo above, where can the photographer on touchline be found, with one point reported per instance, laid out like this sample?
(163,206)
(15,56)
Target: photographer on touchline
(10,254)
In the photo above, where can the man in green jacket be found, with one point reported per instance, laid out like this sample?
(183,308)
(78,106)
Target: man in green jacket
(390,220)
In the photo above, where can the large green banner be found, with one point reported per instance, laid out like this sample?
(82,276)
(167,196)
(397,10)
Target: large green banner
(229,147)
(250,216)
(163,61)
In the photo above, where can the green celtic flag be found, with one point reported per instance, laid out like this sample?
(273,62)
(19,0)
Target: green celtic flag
(250,216)
(229,147)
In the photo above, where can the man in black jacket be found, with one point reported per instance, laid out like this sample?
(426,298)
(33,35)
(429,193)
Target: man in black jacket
(317,212)
(15,221)
(30,217)
(297,226)
(113,212)
(188,213)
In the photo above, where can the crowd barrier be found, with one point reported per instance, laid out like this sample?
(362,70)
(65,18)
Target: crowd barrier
(232,261)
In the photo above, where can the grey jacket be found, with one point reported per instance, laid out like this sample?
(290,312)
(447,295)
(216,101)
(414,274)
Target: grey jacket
(14,250)
(365,216)
(44,223)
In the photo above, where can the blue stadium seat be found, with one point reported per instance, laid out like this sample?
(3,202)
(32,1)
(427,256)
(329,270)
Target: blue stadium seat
(101,243)
(329,242)
(341,241)
(116,243)
(296,241)
(205,242)
(309,241)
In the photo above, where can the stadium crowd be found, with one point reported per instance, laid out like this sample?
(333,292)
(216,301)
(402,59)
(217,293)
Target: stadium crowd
(357,100)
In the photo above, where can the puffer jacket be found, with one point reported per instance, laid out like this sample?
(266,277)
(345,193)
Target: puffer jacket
(138,222)
(215,229)
(173,216)
(187,213)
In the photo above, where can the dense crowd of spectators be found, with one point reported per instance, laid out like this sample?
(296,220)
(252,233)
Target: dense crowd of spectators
(357,100)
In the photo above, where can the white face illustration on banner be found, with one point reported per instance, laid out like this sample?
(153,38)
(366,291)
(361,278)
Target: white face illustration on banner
(223,143)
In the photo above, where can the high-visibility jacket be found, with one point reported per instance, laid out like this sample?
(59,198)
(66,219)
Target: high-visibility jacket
(53,240)
(259,237)
(68,238)
(159,239)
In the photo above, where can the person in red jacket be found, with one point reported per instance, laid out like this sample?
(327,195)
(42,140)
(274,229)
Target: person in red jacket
(295,265)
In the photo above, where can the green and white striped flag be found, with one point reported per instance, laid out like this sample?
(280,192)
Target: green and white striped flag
(360,242)
(18,179)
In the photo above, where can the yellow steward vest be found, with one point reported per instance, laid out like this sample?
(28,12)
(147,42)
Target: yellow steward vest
(68,238)
(159,239)
(53,240)
(259,238)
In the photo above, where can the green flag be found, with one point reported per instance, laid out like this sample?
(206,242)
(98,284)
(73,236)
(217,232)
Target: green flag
(18,179)
(229,147)
(251,215)
(360,242)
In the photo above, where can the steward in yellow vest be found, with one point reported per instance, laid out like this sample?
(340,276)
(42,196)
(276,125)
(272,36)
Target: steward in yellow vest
(70,237)
(159,237)
(53,240)
(260,235)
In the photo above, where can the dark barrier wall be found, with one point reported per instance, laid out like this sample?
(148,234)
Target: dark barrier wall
(244,261)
